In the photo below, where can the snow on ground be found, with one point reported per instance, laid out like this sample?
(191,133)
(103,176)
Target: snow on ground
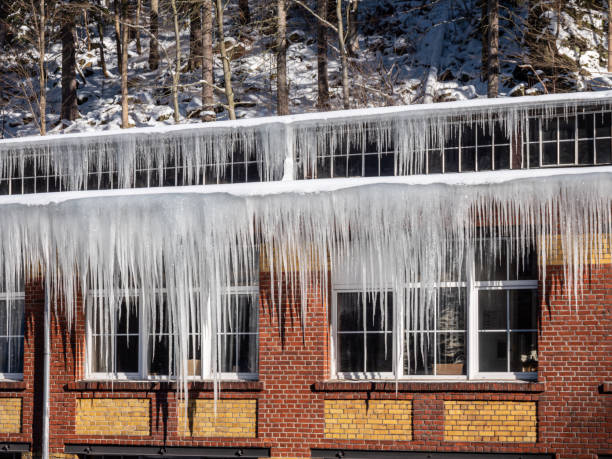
(389,70)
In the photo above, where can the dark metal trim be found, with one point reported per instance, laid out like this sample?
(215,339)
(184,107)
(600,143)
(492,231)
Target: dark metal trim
(165,451)
(14,447)
(352,454)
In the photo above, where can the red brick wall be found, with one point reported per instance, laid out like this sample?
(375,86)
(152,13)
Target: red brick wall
(573,414)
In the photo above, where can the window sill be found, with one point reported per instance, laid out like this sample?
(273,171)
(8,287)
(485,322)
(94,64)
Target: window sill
(155,386)
(12,386)
(428,386)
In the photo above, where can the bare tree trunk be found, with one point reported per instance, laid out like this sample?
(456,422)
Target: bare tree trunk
(493,67)
(86,25)
(484,37)
(69,109)
(42,76)
(344,57)
(117,21)
(102,58)
(195,36)
(137,28)
(352,37)
(282,87)
(609,35)
(177,63)
(208,97)
(227,71)
(244,12)
(154,31)
(322,73)
(125,34)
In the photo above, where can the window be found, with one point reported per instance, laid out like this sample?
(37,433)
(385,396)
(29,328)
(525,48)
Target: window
(12,322)
(481,324)
(141,347)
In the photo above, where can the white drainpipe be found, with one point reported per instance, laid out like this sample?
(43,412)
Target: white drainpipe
(46,382)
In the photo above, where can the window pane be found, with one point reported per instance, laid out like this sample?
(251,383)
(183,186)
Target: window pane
(4,355)
(523,309)
(126,350)
(603,149)
(586,150)
(603,124)
(350,312)
(379,352)
(159,355)
(246,320)
(451,308)
(567,154)
(379,316)
(567,128)
(523,351)
(492,310)
(434,159)
(16,349)
(468,159)
(227,353)
(350,352)
(585,126)
(451,160)
(493,351)
(491,267)
(16,322)
(247,353)
(525,268)
(100,355)
(194,364)
(549,153)
(419,354)
(485,158)
(549,129)
(451,354)
(127,317)
(3,318)
(371,165)
(387,164)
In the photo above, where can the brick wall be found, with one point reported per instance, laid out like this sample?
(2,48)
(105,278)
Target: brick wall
(489,421)
(10,415)
(113,416)
(229,418)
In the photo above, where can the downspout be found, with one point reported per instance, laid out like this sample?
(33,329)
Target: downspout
(46,371)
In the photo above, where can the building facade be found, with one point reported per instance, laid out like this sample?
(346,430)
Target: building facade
(495,346)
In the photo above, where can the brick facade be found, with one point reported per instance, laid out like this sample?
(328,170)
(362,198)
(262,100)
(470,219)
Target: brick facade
(567,413)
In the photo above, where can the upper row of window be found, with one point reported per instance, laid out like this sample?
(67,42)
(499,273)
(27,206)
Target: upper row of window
(583,138)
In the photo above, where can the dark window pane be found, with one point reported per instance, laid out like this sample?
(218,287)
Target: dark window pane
(567,128)
(239,173)
(451,308)
(586,152)
(492,310)
(354,166)
(350,311)
(379,352)
(451,354)
(525,268)
(434,158)
(16,322)
(324,167)
(468,159)
(194,364)
(101,354)
(468,138)
(227,353)
(603,124)
(4,355)
(247,353)
(549,153)
(350,350)
(523,351)
(246,314)
(451,160)
(523,309)
(340,166)
(126,350)
(549,129)
(159,355)
(4,317)
(493,348)
(419,354)
(485,159)
(502,157)
(585,126)
(534,155)
(501,136)
(567,154)
(387,164)
(491,266)
(484,135)
(534,130)
(371,165)
(16,363)
(604,151)
(253,174)
(379,316)
(127,317)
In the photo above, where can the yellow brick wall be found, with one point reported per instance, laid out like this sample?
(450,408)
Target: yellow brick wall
(483,421)
(113,416)
(368,420)
(10,415)
(556,256)
(234,418)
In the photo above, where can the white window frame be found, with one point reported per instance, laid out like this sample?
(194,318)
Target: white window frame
(15,296)
(472,287)
(206,335)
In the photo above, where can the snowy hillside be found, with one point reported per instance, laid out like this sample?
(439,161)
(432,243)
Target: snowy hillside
(399,41)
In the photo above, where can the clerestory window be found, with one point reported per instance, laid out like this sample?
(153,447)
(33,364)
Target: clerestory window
(481,325)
